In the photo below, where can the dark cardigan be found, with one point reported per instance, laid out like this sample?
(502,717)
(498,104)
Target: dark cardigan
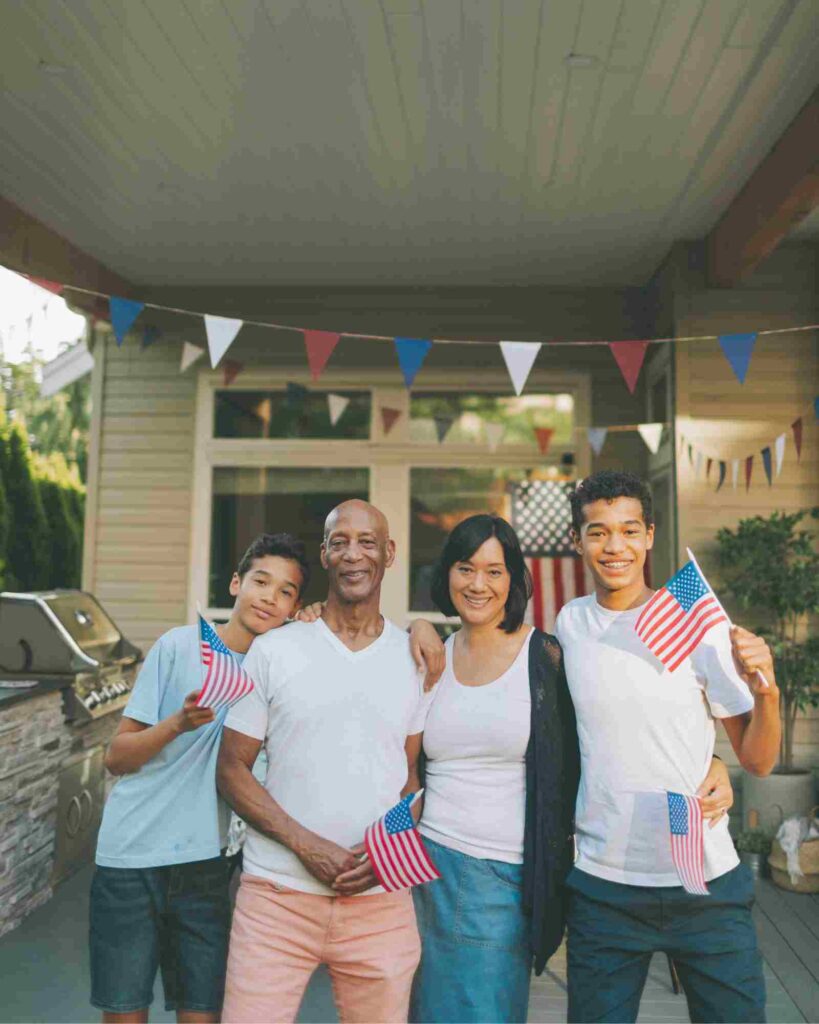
(552,777)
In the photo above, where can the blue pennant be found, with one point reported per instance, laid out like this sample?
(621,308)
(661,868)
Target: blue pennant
(123,314)
(738,349)
(411,354)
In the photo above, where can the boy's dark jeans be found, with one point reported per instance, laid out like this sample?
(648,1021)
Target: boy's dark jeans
(175,918)
(615,928)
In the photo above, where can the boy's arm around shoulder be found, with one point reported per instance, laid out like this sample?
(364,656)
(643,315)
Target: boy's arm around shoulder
(140,735)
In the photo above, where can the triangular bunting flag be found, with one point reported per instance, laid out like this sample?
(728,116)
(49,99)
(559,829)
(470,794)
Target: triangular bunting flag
(296,394)
(796,427)
(494,434)
(749,468)
(629,356)
(221,332)
(722,468)
(738,349)
(651,434)
(319,345)
(190,353)
(336,404)
(734,472)
(544,438)
(442,426)
(698,465)
(411,354)
(230,371)
(149,336)
(519,357)
(597,438)
(709,462)
(766,462)
(50,286)
(779,451)
(388,418)
(123,314)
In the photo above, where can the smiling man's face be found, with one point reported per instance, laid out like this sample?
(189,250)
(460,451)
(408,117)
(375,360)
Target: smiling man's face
(613,541)
(356,551)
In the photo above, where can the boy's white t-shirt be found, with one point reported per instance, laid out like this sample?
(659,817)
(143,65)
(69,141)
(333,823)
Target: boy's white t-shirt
(334,723)
(643,731)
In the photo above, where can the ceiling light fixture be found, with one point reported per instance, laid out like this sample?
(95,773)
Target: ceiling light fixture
(581,60)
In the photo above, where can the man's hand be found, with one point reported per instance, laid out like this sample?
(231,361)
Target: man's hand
(360,878)
(427,651)
(310,612)
(716,793)
(192,717)
(325,860)
(752,656)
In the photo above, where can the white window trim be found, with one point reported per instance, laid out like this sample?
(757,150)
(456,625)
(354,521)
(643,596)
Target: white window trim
(389,458)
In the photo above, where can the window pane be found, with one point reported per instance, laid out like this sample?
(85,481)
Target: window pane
(275,414)
(439,500)
(247,502)
(470,413)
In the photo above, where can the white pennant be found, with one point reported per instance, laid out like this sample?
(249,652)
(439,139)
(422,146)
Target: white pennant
(519,357)
(734,472)
(494,434)
(190,353)
(597,438)
(697,465)
(651,434)
(221,332)
(336,405)
(779,448)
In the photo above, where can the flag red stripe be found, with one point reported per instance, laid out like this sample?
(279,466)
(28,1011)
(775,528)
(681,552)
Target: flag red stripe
(557,583)
(654,634)
(579,578)
(381,868)
(670,639)
(692,645)
(434,873)
(707,616)
(659,605)
(387,855)
(537,594)
(410,860)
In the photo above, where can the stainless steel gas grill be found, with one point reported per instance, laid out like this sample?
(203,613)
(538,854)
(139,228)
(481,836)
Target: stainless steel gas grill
(65,638)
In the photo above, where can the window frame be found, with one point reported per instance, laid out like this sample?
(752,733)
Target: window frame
(388,458)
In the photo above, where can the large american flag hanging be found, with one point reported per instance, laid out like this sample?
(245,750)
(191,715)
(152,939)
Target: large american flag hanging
(555,582)
(685,826)
(678,616)
(225,681)
(395,849)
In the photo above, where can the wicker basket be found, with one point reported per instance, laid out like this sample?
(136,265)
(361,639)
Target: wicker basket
(808,861)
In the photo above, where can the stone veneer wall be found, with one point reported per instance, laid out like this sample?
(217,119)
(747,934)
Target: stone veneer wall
(31,738)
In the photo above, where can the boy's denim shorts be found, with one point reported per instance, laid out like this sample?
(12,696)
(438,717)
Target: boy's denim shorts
(175,918)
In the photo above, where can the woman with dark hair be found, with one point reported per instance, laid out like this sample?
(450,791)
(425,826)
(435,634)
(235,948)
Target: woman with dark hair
(502,769)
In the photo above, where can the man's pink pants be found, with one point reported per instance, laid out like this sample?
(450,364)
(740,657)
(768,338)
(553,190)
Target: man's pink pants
(370,945)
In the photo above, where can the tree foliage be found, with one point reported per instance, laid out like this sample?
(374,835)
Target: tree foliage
(771,564)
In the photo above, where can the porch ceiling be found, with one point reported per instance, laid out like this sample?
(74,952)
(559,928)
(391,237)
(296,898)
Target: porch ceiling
(401,142)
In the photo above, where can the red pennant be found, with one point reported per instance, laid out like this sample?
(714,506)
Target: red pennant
(50,286)
(231,370)
(796,427)
(319,345)
(749,468)
(388,418)
(629,356)
(708,464)
(544,438)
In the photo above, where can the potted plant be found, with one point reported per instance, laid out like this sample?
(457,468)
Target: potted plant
(770,565)
(753,846)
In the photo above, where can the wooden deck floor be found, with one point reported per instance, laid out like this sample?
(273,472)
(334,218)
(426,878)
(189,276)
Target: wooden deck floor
(44,967)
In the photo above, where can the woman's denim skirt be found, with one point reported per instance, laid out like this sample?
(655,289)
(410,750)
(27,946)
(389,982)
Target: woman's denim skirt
(476,958)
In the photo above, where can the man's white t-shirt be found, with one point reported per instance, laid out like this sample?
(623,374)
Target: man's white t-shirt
(643,731)
(334,723)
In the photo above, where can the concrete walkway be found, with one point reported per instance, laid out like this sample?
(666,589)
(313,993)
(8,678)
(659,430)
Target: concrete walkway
(44,969)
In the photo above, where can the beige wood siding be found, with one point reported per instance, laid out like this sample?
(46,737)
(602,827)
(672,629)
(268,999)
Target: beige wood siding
(140,537)
(729,420)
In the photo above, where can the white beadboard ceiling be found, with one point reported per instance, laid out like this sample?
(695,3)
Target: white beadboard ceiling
(392,142)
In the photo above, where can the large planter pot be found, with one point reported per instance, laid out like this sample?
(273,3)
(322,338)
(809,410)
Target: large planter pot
(777,796)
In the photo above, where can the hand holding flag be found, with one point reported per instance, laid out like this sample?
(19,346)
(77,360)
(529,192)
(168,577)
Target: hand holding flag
(754,662)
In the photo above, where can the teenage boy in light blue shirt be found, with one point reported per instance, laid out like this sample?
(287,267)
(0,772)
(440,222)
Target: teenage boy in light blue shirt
(159,897)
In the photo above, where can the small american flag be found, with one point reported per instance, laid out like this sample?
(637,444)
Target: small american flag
(225,681)
(685,825)
(678,616)
(395,849)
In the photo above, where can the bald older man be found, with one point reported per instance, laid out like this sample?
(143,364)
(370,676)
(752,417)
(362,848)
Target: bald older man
(340,707)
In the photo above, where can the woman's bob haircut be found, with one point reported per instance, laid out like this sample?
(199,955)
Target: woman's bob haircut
(462,544)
